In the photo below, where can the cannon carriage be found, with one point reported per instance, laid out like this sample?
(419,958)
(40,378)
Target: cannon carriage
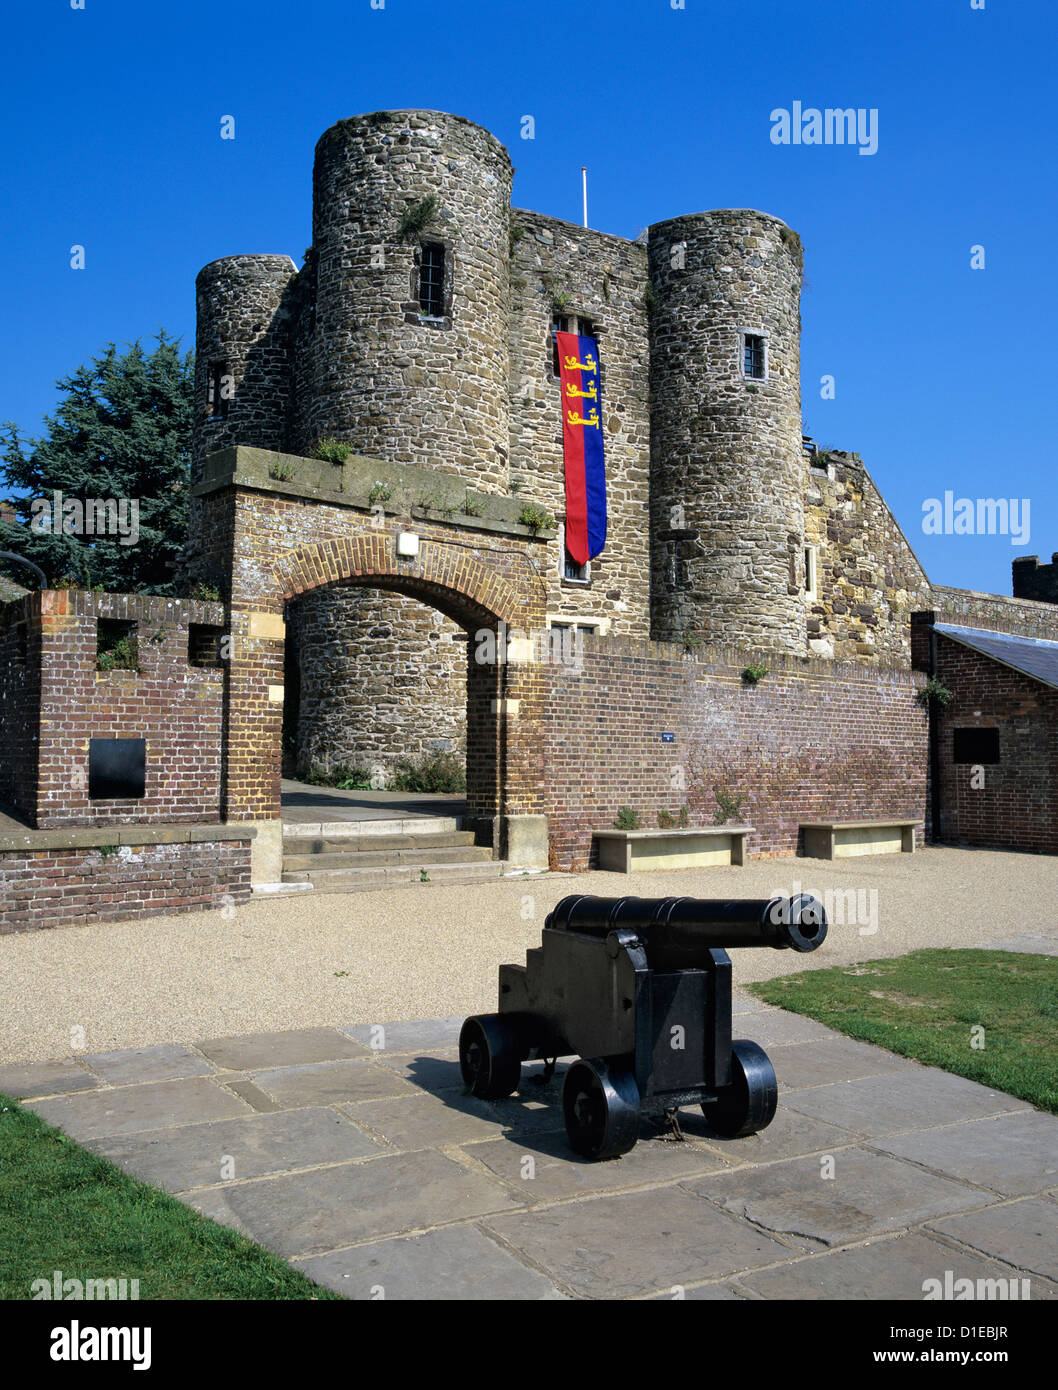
(639,991)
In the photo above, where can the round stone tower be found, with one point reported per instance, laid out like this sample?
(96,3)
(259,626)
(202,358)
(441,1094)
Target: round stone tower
(242,357)
(727,466)
(403,201)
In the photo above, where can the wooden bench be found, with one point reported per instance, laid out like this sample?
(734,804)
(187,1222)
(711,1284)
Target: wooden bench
(696,847)
(847,838)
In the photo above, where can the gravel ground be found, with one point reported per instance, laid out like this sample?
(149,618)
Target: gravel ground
(431,951)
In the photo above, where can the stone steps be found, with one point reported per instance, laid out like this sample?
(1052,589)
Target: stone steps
(370,857)
(355,829)
(355,880)
(344,856)
(362,844)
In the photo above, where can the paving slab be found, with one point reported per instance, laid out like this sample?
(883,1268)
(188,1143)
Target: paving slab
(1011,1154)
(748,1004)
(324,1209)
(46,1079)
(539,1168)
(1022,1233)
(132,1065)
(455,1262)
(245,1089)
(902,1100)
(424,1121)
(789,1135)
(434,1069)
(623,1246)
(289,1049)
(898,1268)
(832,1060)
(234,1150)
(407,1037)
(331,1083)
(868,1194)
(129,1109)
(772,1027)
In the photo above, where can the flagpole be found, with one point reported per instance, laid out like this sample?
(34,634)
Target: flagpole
(584,181)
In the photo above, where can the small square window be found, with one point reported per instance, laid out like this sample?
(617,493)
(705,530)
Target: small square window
(203,645)
(753,360)
(432,280)
(569,569)
(116,768)
(975,745)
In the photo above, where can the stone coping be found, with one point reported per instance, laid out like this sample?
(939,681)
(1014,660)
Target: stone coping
(855,824)
(350,484)
(89,837)
(677,832)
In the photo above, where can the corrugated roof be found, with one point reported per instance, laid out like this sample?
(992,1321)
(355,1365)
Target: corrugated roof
(1031,655)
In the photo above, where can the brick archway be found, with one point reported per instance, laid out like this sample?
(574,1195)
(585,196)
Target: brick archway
(269,547)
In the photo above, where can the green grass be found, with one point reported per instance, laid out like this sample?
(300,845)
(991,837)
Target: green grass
(64,1208)
(927,1005)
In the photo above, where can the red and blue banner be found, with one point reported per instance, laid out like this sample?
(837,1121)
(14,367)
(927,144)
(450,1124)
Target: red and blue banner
(578,359)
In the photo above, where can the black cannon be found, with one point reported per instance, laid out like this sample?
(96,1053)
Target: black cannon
(639,989)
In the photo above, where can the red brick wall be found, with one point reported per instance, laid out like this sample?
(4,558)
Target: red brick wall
(811,741)
(1017,808)
(176,707)
(65,887)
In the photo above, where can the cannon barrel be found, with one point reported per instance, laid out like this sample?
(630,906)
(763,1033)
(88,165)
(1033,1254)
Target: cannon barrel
(678,930)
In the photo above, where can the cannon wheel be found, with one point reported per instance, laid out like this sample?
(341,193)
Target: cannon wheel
(600,1101)
(748,1104)
(490,1056)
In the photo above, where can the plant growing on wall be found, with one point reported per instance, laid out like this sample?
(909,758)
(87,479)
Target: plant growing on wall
(935,691)
(666,820)
(380,492)
(331,450)
(684,818)
(627,819)
(118,656)
(281,472)
(207,593)
(752,674)
(536,518)
(729,806)
(471,506)
(418,216)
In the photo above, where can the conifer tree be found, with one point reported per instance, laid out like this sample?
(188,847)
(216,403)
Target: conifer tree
(122,432)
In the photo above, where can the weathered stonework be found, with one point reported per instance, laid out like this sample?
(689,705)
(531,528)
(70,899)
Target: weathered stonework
(559,268)
(727,466)
(869,580)
(368,650)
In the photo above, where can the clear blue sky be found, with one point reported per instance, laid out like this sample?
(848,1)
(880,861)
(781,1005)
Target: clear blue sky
(944,375)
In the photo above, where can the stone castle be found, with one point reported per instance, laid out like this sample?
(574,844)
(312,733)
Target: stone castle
(419,330)
(378,480)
